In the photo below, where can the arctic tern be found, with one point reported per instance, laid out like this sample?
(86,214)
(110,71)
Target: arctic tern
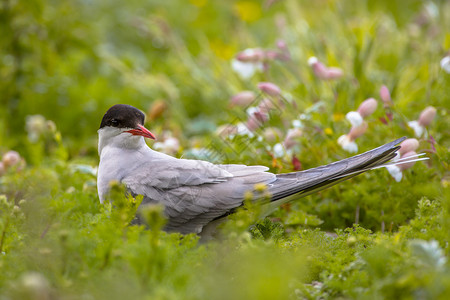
(197,194)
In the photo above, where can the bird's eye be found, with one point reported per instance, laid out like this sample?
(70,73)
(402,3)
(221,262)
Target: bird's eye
(114,122)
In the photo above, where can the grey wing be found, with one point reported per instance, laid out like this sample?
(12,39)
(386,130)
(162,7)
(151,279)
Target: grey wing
(194,192)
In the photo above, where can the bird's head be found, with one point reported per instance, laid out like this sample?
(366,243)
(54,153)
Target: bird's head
(123,126)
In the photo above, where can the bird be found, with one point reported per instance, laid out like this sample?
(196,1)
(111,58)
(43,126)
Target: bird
(197,195)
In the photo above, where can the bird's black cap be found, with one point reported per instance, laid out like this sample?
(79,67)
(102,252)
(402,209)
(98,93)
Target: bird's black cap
(123,116)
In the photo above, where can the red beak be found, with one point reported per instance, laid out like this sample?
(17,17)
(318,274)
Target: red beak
(142,131)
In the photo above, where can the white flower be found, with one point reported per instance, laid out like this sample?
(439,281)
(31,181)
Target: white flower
(242,129)
(354,118)
(297,124)
(248,62)
(35,126)
(432,9)
(418,129)
(395,172)
(347,141)
(429,253)
(278,150)
(251,110)
(445,64)
(347,144)
(170,145)
(425,118)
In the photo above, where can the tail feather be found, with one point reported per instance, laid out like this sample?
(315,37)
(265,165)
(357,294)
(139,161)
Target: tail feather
(306,182)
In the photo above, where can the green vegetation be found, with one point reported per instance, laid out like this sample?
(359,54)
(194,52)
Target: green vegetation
(64,63)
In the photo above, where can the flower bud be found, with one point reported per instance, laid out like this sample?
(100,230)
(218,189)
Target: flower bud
(281,45)
(266,105)
(427,116)
(318,68)
(251,55)
(226,130)
(296,163)
(356,132)
(252,124)
(269,88)
(271,134)
(408,145)
(261,116)
(334,73)
(385,96)
(243,98)
(256,119)
(367,107)
(291,135)
(405,166)
(2,168)
(271,55)
(11,158)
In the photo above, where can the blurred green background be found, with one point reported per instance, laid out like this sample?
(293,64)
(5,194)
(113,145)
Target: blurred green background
(69,61)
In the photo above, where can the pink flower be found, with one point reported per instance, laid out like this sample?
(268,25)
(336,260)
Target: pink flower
(407,165)
(385,96)
(408,145)
(356,132)
(282,45)
(226,130)
(365,109)
(266,105)
(291,137)
(427,115)
(10,158)
(243,98)
(269,88)
(2,168)
(272,134)
(323,72)
(251,55)
(347,141)
(318,68)
(334,73)
(425,118)
(248,62)
(256,119)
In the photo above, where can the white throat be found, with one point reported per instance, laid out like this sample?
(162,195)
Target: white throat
(118,138)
